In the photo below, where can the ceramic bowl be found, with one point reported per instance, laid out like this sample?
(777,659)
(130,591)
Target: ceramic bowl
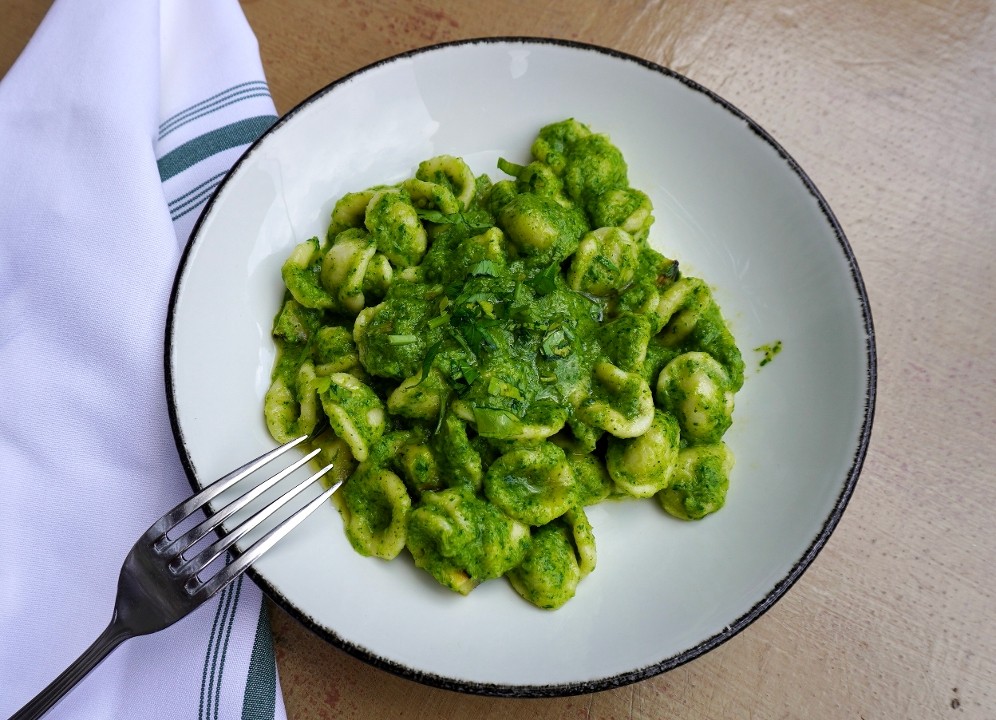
(730,204)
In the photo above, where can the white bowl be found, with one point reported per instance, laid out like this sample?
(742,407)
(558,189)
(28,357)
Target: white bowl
(730,204)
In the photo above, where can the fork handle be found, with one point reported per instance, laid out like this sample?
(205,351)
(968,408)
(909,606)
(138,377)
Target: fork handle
(114,634)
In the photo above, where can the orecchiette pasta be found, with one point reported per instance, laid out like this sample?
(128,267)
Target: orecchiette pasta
(344,268)
(532,484)
(700,481)
(300,276)
(462,540)
(354,411)
(642,466)
(622,404)
(375,507)
(605,261)
(483,360)
(394,225)
(549,574)
(452,173)
(697,390)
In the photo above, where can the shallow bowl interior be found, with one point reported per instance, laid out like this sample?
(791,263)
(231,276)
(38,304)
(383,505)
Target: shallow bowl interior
(730,204)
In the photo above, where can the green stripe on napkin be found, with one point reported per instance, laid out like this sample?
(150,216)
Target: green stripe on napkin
(260,702)
(193,151)
(234,94)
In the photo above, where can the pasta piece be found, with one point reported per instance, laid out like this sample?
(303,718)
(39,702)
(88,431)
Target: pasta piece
(625,208)
(533,484)
(395,227)
(375,507)
(700,482)
(591,479)
(549,575)
(390,337)
(344,267)
(679,307)
(696,389)
(642,466)
(350,212)
(623,405)
(711,335)
(420,469)
(291,414)
(626,340)
(541,228)
(488,245)
(460,462)
(594,166)
(295,324)
(300,273)
(451,172)
(334,350)
(461,540)
(377,279)
(499,195)
(540,179)
(425,194)
(354,411)
(583,539)
(553,141)
(333,451)
(605,261)
(419,398)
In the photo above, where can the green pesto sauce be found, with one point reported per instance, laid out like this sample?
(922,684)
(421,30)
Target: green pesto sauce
(483,338)
(769,351)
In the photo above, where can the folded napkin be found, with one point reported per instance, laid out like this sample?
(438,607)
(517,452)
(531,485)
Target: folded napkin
(116,123)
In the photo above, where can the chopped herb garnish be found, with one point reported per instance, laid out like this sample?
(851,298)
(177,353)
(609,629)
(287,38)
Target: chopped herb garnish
(504,389)
(458,336)
(545,282)
(475,297)
(557,342)
(496,423)
(466,371)
(605,262)
(430,357)
(438,321)
(478,334)
(669,275)
(468,221)
(402,339)
(769,351)
(510,168)
(485,267)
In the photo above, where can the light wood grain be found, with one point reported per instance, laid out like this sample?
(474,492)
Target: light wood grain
(890,106)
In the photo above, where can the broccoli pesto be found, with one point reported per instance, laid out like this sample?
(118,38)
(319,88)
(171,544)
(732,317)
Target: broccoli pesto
(483,359)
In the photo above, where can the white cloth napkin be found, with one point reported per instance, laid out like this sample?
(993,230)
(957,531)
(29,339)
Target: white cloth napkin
(116,123)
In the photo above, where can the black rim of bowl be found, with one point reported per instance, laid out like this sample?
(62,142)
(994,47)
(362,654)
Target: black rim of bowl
(637,674)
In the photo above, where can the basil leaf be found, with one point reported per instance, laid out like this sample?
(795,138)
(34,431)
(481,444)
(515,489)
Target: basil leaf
(430,357)
(485,267)
(545,282)
(495,423)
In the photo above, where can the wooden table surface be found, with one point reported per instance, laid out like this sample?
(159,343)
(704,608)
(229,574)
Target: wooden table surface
(890,107)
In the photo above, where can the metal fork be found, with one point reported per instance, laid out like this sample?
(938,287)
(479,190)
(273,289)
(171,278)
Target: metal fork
(159,585)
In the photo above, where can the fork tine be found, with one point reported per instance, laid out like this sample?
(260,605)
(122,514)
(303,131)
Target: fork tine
(256,550)
(161,526)
(204,558)
(192,536)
